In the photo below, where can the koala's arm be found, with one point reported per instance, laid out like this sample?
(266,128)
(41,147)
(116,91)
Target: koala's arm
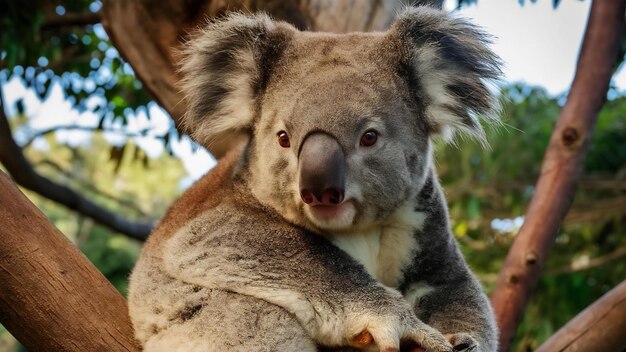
(170,315)
(457,306)
(445,293)
(254,253)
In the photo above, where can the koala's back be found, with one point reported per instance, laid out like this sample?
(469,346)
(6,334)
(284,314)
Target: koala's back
(170,314)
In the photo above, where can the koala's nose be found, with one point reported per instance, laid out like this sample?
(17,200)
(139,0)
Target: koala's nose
(322,166)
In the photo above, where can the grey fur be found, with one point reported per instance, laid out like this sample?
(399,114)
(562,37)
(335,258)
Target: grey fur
(281,277)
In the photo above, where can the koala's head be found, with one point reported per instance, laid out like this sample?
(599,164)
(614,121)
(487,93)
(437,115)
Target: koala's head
(339,125)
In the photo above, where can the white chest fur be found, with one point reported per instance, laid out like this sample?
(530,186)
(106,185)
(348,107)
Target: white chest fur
(386,250)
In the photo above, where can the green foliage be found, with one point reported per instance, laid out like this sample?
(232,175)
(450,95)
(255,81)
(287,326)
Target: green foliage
(80,58)
(607,153)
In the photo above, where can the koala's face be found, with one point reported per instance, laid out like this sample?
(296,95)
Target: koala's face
(337,144)
(339,126)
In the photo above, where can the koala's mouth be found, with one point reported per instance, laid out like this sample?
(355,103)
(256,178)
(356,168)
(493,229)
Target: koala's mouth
(332,216)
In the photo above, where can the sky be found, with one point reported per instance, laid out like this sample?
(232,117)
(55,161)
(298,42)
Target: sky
(538,44)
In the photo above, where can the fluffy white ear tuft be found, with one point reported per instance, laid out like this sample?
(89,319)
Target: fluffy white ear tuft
(454,68)
(225,68)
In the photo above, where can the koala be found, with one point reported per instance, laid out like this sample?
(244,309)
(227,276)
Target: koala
(327,229)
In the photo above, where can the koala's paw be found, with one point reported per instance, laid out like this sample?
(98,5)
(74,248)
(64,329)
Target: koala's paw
(463,342)
(388,334)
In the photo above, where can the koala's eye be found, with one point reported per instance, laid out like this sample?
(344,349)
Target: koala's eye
(283,139)
(369,138)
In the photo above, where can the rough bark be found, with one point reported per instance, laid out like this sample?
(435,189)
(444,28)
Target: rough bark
(600,327)
(12,158)
(561,166)
(149,36)
(52,298)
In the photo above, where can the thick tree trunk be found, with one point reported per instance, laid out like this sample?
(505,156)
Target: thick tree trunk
(561,166)
(51,297)
(600,327)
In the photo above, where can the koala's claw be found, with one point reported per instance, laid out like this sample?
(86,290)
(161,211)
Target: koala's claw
(417,336)
(430,339)
(398,330)
(463,342)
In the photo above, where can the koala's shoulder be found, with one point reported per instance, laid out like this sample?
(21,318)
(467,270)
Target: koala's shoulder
(205,194)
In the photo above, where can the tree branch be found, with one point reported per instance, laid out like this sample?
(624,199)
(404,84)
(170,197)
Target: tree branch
(140,133)
(92,188)
(592,263)
(23,173)
(561,166)
(604,184)
(52,297)
(597,210)
(71,19)
(600,327)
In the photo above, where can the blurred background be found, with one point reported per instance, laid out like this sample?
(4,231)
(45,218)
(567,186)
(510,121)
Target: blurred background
(79,118)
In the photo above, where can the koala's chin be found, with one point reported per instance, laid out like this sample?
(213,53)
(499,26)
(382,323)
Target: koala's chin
(332,218)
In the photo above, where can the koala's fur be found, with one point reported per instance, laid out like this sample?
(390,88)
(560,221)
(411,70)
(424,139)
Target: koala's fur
(241,263)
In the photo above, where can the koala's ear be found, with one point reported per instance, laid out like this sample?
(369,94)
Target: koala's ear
(453,67)
(225,67)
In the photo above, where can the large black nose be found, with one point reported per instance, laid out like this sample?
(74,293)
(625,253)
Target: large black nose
(322,167)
